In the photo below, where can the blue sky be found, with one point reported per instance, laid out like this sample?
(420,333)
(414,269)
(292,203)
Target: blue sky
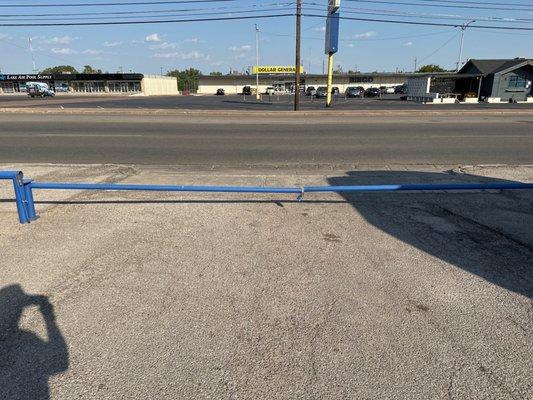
(221,45)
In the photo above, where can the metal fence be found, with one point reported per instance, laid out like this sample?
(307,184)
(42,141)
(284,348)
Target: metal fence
(24,188)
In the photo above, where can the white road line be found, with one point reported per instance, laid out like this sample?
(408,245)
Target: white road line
(85,135)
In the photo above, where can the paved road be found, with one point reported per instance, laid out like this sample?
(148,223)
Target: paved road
(275,103)
(165,140)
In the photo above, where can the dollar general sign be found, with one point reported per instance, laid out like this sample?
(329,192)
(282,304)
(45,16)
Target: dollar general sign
(275,69)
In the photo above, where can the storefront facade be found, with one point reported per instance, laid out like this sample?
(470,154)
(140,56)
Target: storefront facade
(92,83)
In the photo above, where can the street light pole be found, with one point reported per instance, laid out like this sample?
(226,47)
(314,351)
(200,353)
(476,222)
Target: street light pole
(256,62)
(463,28)
(298,61)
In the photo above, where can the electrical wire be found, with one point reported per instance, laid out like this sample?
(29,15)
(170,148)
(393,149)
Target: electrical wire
(403,3)
(145,22)
(390,21)
(441,47)
(145,11)
(143,3)
(144,16)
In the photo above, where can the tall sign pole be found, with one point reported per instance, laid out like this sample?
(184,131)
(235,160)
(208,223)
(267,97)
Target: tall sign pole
(298,61)
(332,43)
(257,96)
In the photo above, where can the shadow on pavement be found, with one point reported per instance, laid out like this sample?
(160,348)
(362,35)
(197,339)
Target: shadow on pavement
(26,360)
(488,234)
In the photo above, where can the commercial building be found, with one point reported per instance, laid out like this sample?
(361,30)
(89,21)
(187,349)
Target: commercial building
(478,80)
(502,79)
(119,83)
(233,84)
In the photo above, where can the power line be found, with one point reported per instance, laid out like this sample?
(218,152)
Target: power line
(143,3)
(373,11)
(441,47)
(397,3)
(476,2)
(144,11)
(391,21)
(144,22)
(144,16)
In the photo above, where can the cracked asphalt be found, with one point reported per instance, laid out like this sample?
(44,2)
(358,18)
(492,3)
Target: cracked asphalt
(190,296)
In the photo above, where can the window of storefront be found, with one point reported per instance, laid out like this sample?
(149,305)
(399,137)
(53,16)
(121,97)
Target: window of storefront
(517,82)
(7,87)
(124,86)
(89,87)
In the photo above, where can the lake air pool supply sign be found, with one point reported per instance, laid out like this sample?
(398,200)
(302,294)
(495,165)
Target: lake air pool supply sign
(275,69)
(25,77)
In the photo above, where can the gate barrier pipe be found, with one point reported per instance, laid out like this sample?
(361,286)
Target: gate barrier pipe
(26,207)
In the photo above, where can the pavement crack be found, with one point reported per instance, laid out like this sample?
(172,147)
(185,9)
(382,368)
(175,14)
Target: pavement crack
(523,245)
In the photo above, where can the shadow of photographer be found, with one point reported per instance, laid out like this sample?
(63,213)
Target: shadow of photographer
(26,360)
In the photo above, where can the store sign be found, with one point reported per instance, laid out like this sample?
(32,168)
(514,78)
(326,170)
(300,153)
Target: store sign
(30,77)
(275,69)
(361,79)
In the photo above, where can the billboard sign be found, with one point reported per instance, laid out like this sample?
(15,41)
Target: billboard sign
(275,69)
(332,34)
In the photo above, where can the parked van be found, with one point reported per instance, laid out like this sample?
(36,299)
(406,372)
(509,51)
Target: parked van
(39,89)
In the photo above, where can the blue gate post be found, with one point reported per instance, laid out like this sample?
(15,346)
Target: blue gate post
(20,193)
(30,205)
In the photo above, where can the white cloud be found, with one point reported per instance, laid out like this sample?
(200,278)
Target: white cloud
(192,55)
(4,36)
(192,40)
(154,37)
(350,45)
(163,46)
(365,35)
(240,49)
(320,29)
(59,40)
(63,51)
(112,44)
(407,44)
(92,52)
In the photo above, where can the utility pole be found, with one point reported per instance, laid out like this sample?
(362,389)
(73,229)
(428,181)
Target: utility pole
(297,62)
(463,29)
(416,64)
(257,62)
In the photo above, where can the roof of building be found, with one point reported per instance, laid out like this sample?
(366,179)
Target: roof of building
(486,67)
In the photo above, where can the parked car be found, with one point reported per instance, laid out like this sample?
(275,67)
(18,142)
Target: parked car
(247,90)
(270,91)
(354,92)
(310,91)
(386,89)
(39,89)
(321,92)
(400,89)
(372,92)
(62,88)
(221,92)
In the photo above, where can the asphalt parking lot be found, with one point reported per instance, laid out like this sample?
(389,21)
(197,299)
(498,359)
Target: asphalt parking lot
(190,296)
(212,102)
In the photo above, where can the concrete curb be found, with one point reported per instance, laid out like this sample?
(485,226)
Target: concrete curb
(349,113)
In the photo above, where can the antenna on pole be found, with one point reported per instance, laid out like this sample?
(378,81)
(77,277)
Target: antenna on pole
(32,56)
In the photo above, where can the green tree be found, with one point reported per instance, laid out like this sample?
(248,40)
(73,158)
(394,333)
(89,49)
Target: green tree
(215,73)
(431,68)
(187,79)
(87,69)
(60,69)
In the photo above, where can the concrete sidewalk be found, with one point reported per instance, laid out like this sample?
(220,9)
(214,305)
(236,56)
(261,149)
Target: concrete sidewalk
(177,296)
